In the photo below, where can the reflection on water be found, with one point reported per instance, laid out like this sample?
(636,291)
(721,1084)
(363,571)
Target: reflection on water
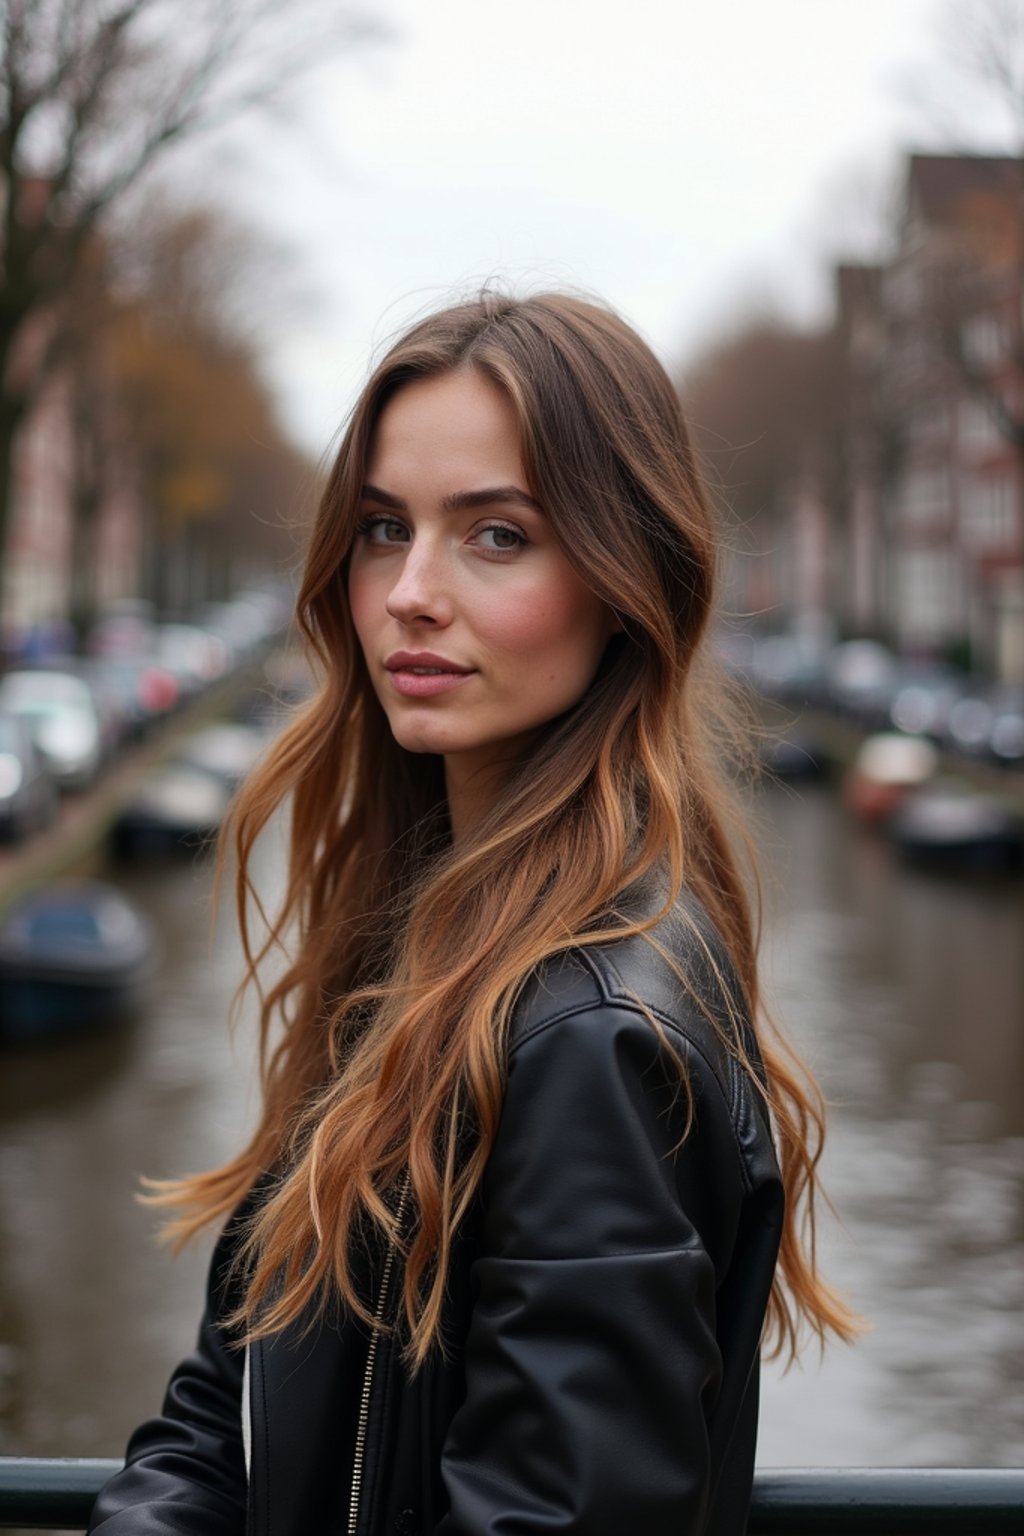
(906,993)
(92,1312)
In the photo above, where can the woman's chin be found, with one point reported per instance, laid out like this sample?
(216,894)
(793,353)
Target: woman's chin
(422,740)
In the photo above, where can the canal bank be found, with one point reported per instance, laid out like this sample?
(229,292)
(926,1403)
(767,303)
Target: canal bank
(838,741)
(76,844)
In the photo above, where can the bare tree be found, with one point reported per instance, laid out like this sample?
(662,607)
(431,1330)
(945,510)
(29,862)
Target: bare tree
(183,386)
(975,280)
(981,43)
(93,93)
(765,403)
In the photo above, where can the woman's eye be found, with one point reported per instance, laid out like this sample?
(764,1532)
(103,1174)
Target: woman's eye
(383,530)
(499,539)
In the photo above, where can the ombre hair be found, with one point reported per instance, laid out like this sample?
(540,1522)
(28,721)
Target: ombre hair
(383,1041)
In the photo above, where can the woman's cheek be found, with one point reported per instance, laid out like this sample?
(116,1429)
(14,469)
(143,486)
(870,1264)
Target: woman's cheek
(521,624)
(365,600)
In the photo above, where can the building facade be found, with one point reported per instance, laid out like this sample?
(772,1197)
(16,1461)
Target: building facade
(932,348)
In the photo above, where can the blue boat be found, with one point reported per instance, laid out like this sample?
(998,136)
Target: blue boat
(73,956)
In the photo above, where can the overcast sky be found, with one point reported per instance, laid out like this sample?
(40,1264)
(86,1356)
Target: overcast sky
(682,160)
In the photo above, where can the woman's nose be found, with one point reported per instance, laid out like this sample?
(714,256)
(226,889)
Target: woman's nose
(420,594)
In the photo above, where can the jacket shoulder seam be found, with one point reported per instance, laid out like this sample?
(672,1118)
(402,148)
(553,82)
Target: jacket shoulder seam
(731,1079)
(628,1005)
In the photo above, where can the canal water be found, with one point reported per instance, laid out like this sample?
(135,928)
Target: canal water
(905,992)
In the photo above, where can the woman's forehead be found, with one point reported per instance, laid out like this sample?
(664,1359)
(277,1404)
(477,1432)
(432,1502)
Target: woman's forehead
(455,423)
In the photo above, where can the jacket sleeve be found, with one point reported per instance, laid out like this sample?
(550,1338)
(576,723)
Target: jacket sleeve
(591,1361)
(184,1471)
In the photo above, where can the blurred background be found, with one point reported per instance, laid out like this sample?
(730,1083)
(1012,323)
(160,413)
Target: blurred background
(214,213)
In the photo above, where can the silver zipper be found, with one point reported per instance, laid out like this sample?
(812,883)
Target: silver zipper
(371,1358)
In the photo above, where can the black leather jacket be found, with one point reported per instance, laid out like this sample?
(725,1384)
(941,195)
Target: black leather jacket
(606,1304)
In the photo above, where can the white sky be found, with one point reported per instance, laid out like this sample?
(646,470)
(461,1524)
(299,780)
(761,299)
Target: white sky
(679,159)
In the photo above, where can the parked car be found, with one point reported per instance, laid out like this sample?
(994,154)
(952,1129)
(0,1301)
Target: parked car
(247,623)
(126,627)
(106,701)
(194,656)
(28,795)
(61,714)
(791,668)
(226,752)
(989,723)
(145,691)
(1006,738)
(923,695)
(862,681)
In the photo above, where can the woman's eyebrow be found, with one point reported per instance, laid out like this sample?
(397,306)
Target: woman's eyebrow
(374,493)
(459,501)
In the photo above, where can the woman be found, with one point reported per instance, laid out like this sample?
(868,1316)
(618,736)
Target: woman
(499,1255)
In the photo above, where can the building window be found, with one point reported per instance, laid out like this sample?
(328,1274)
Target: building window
(976,427)
(927,607)
(929,424)
(985,340)
(988,512)
(925,496)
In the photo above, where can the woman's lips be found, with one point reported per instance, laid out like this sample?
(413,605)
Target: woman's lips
(423,682)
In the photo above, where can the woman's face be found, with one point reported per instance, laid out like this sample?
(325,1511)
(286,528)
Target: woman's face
(474,626)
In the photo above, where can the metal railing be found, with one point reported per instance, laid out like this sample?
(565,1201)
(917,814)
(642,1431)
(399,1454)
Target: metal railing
(57,1494)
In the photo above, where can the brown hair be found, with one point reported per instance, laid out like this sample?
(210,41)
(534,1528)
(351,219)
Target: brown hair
(410,952)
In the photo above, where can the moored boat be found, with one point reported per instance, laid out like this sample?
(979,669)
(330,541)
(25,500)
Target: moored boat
(177,808)
(888,767)
(226,752)
(73,955)
(952,827)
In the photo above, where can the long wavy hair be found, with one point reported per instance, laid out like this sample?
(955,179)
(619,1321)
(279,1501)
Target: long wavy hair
(382,1042)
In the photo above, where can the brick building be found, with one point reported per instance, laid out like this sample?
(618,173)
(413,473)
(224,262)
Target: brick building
(933,350)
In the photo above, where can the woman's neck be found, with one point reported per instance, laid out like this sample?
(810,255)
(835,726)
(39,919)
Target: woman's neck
(473,785)
(470,797)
